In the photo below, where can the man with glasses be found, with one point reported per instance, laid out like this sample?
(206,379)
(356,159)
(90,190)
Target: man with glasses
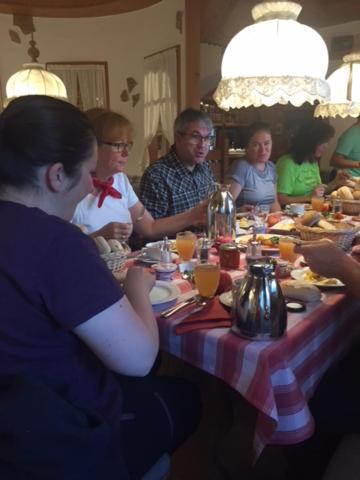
(181,178)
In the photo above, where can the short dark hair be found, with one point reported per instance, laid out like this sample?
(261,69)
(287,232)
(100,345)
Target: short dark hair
(308,137)
(191,115)
(37,130)
(252,129)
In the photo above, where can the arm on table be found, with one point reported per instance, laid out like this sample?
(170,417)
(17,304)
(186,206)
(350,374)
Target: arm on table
(117,230)
(125,335)
(340,161)
(326,258)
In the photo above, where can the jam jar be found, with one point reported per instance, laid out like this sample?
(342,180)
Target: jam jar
(229,256)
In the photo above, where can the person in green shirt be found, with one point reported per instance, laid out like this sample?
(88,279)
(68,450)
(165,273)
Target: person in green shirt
(298,171)
(347,151)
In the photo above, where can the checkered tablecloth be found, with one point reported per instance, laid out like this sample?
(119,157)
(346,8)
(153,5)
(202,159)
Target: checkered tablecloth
(277,377)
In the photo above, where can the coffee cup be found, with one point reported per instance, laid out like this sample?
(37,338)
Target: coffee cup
(297,208)
(153,253)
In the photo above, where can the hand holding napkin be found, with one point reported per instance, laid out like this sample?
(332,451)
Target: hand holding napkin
(213,315)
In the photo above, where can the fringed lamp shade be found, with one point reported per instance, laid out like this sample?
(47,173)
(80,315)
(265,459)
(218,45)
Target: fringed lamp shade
(276,60)
(33,79)
(345,90)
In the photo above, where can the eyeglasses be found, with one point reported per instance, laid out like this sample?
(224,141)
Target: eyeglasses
(196,138)
(118,147)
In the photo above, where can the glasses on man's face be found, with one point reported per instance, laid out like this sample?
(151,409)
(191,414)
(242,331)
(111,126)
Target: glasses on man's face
(196,138)
(118,147)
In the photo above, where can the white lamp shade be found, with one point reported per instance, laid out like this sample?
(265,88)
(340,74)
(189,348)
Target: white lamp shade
(345,90)
(274,61)
(33,79)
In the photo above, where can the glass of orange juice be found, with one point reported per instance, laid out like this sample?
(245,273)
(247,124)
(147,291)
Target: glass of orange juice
(185,245)
(317,203)
(286,247)
(207,276)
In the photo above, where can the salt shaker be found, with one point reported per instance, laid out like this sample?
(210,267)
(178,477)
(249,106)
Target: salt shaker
(165,256)
(204,250)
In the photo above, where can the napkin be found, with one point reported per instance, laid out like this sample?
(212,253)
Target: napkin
(225,283)
(213,315)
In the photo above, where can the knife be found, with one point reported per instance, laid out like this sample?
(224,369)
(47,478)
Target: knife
(172,310)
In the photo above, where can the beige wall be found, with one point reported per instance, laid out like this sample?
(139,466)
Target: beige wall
(121,40)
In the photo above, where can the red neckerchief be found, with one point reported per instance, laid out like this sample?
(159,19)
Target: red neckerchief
(106,189)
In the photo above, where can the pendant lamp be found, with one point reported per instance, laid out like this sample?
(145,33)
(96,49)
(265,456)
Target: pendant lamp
(345,90)
(276,60)
(33,79)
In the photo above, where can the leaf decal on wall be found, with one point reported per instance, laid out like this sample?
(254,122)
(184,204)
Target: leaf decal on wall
(14,36)
(124,96)
(25,23)
(131,83)
(135,99)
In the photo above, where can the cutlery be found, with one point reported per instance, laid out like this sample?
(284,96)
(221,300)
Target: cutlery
(172,310)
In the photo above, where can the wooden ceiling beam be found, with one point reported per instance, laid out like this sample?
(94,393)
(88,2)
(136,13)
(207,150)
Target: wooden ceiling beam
(72,8)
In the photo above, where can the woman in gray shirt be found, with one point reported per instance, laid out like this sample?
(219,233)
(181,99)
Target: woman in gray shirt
(253,178)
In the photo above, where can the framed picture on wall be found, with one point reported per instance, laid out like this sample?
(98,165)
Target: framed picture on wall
(87,83)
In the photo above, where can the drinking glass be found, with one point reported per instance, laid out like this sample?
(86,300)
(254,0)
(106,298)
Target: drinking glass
(286,247)
(317,203)
(207,277)
(185,245)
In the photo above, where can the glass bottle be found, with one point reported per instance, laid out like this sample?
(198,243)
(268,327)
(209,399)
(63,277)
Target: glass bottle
(221,214)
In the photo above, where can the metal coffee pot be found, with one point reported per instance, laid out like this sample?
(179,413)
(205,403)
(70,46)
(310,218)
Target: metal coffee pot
(259,309)
(221,214)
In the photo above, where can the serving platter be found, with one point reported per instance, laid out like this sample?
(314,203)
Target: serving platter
(305,275)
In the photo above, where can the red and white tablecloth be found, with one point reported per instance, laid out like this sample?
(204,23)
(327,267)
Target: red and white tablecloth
(277,377)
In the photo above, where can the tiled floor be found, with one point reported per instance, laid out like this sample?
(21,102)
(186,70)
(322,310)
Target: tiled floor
(217,450)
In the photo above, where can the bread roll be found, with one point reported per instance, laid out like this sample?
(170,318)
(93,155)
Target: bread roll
(310,218)
(115,246)
(102,245)
(356,194)
(299,290)
(334,194)
(345,193)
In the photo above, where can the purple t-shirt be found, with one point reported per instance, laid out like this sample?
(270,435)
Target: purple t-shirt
(51,280)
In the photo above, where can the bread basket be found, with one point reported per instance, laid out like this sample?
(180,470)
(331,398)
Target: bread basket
(115,261)
(343,235)
(350,207)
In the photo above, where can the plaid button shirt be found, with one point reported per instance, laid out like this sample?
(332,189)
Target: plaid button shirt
(167,187)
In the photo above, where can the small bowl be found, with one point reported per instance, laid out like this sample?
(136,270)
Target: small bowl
(164,271)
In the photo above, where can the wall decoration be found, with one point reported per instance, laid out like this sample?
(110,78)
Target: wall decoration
(26,25)
(131,84)
(125,94)
(179,20)
(135,98)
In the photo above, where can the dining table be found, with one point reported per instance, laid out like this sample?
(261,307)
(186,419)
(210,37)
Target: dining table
(276,376)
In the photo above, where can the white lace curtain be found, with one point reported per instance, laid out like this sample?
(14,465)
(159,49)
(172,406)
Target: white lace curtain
(160,94)
(85,84)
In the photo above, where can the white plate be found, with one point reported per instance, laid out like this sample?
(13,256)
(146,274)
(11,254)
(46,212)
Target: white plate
(163,292)
(146,259)
(301,275)
(159,244)
(226,298)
